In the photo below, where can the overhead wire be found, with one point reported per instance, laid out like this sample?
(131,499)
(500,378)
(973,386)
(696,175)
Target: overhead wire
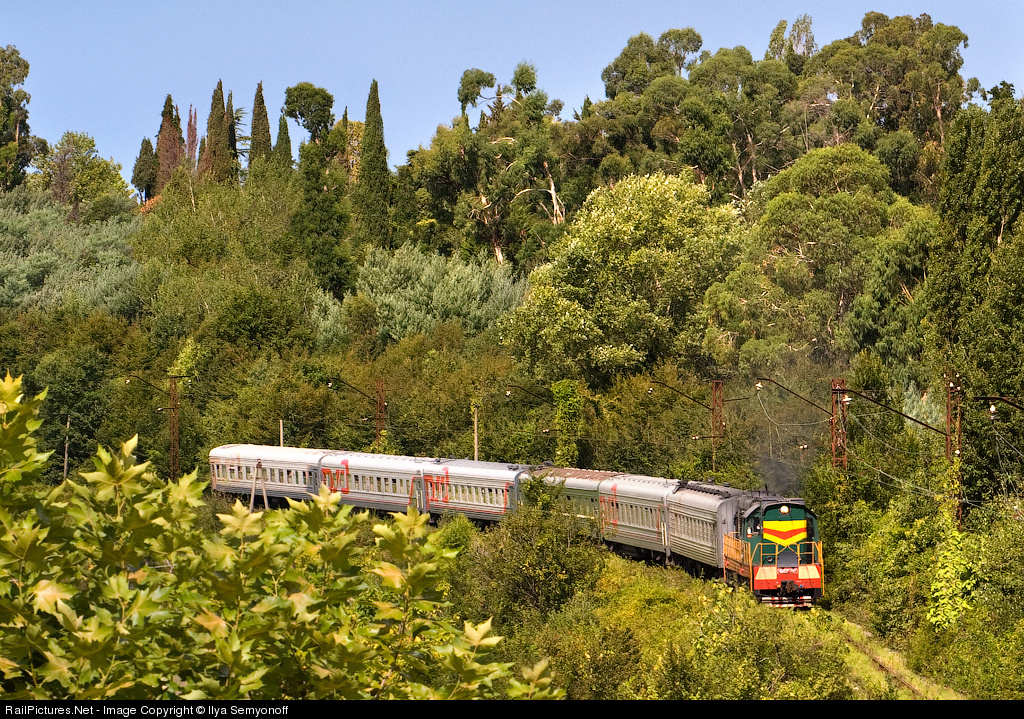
(788,424)
(1008,443)
(854,417)
(923,491)
(1008,478)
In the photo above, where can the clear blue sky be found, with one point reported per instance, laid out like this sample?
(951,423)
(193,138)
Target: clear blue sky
(105,67)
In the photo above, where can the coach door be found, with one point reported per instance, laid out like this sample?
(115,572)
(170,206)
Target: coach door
(418,492)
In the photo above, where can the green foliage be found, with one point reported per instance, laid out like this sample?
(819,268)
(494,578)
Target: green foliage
(822,271)
(532,563)
(170,146)
(738,649)
(975,277)
(259,145)
(569,421)
(953,582)
(904,71)
(144,173)
(591,659)
(117,596)
(47,263)
(373,187)
(310,106)
(412,291)
(647,632)
(74,173)
(828,228)
(972,638)
(494,187)
(17,146)
(321,222)
(626,283)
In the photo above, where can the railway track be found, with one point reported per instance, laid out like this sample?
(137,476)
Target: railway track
(914,685)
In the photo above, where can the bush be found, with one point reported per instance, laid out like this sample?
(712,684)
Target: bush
(530,564)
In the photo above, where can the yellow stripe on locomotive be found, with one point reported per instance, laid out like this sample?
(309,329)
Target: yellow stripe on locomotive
(786,532)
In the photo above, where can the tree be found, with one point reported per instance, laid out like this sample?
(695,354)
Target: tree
(777,43)
(373,186)
(524,79)
(641,62)
(192,151)
(975,275)
(74,172)
(626,284)
(904,71)
(569,422)
(217,158)
(322,222)
(530,564)
(310,106)
(753,96)
(17,146)
(283,148)
(496,186)
(260,145)
(147,167)
(680,44)
(823,226)
(169,144)
(982,200)
(230,120)
(472,84)
(413,291)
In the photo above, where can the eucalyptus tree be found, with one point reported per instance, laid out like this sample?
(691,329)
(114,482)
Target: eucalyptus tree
(17,145)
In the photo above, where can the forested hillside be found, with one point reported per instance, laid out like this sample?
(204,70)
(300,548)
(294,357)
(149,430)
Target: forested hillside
(576,278)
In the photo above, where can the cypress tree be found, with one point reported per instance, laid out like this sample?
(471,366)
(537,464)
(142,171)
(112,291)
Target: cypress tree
(229,120)
(145,171)
(373,186)
(204,158)
(169,144)
(217,159)
(283,148)
(192,140)
(259,145)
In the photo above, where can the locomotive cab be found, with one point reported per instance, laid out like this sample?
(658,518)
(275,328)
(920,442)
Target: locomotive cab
(776,549)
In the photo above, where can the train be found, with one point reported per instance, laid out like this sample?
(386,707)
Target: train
(759,539)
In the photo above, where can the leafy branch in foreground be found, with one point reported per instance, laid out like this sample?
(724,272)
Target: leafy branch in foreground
(110,590)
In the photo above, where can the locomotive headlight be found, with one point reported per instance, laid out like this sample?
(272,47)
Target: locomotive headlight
(784,509)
